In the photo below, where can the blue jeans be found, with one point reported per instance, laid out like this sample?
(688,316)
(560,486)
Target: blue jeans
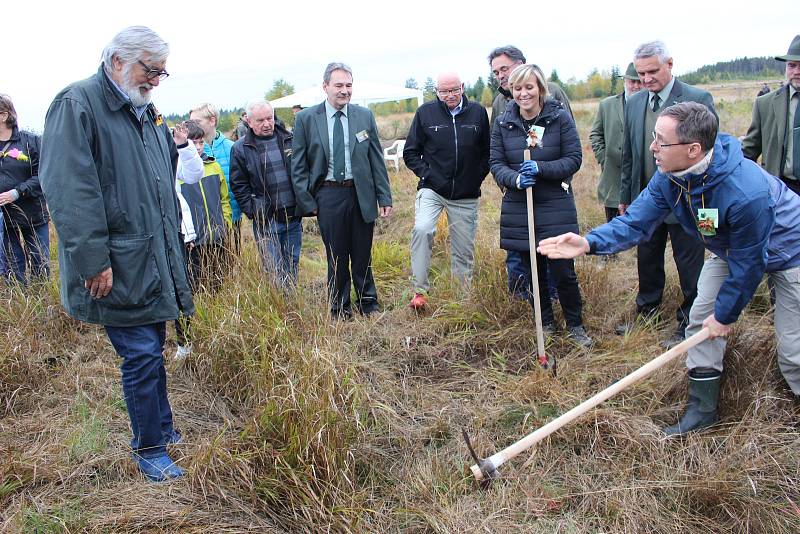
(32,241)
(3,262)
(519,281)
(518,276)
(144,384)
(279,246)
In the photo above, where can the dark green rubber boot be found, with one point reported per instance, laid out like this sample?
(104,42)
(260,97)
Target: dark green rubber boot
(701,411)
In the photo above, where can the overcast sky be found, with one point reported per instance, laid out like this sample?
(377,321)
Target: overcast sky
(228,52)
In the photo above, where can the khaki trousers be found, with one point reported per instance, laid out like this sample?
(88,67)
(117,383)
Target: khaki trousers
(462,217)
(787,320)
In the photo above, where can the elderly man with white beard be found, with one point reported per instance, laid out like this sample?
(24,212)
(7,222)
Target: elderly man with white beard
(108,173)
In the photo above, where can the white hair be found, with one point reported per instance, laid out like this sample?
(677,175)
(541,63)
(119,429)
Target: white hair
(653,48)
(257,103)
(131,43)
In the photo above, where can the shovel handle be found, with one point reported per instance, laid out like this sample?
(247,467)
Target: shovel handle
(498,459)
(537,305)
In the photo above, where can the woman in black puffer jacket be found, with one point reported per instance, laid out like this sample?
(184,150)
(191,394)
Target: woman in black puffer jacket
(26,240)
(555,157)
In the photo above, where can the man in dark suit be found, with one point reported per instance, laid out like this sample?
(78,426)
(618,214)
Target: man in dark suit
(774,132)
(654,66)
(339,176)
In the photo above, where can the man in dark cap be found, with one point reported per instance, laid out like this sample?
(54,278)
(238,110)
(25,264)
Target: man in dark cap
(774,132)
(607,138)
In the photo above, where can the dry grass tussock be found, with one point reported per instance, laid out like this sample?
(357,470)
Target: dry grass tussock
(295,424)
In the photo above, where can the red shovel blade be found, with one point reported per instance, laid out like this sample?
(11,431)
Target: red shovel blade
(547,363)
(543,360)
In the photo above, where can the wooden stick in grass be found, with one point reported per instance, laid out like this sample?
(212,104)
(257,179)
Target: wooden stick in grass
(537,304)
(488,467)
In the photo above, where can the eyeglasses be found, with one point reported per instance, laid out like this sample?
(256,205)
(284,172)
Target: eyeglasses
(151,74)
(665,145)
(445,92)
(505,68)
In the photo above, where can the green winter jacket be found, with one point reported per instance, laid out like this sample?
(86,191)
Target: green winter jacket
(109,181)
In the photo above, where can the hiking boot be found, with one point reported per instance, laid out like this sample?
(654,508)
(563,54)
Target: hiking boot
(701,410)
(159,468)
(578,335)
(418,302)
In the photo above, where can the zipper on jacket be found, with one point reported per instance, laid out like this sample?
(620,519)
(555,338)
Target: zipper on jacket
(455,165)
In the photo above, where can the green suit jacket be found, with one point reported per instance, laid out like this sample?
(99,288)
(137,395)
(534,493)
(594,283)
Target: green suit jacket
(767,132)
(311,150)
(633,150)
(607,137)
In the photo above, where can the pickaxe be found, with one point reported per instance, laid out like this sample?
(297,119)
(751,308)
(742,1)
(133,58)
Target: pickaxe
(485,470)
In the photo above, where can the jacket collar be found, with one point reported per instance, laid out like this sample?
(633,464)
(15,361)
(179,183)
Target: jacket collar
(14,136)
(464,102)
(279,132)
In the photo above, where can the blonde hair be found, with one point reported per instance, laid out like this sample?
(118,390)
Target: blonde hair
(206,110)
(523,73)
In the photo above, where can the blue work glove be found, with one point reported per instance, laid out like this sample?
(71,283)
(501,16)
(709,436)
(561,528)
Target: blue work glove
(524,181)
(529,167)
(527,174)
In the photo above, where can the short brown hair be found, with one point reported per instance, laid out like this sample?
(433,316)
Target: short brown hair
(193,130)
(7,106)
(696,123)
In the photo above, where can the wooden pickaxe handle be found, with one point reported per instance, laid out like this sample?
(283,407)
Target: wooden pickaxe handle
(498,459)
(537,304)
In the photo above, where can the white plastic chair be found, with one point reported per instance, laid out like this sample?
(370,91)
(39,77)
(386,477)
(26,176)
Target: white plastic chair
(394,153)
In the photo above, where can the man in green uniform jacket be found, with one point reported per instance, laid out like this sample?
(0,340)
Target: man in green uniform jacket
(108,174)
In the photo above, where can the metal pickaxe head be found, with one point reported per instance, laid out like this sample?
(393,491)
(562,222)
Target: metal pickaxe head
(484,470)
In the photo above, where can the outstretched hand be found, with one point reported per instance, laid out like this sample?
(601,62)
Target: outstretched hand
(565,246)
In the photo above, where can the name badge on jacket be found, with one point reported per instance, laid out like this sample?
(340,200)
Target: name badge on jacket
(362,136)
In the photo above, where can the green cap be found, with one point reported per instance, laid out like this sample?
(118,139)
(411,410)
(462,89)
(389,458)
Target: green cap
(794,51)
(630,73)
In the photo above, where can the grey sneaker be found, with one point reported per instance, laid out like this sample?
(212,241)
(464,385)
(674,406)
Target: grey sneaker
(579,336)
(549,330)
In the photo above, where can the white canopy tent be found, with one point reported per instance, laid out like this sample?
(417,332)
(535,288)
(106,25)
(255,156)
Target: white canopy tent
(364,93)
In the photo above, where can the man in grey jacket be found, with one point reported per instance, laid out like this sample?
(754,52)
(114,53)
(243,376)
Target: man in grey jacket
(108,174)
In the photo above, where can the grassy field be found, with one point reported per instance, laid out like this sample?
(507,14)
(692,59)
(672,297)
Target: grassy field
(294,424)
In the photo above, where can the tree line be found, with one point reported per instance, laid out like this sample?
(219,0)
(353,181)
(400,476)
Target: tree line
(598,84)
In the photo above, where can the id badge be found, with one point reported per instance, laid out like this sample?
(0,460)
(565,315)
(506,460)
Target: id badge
(708,221)
(535,136)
